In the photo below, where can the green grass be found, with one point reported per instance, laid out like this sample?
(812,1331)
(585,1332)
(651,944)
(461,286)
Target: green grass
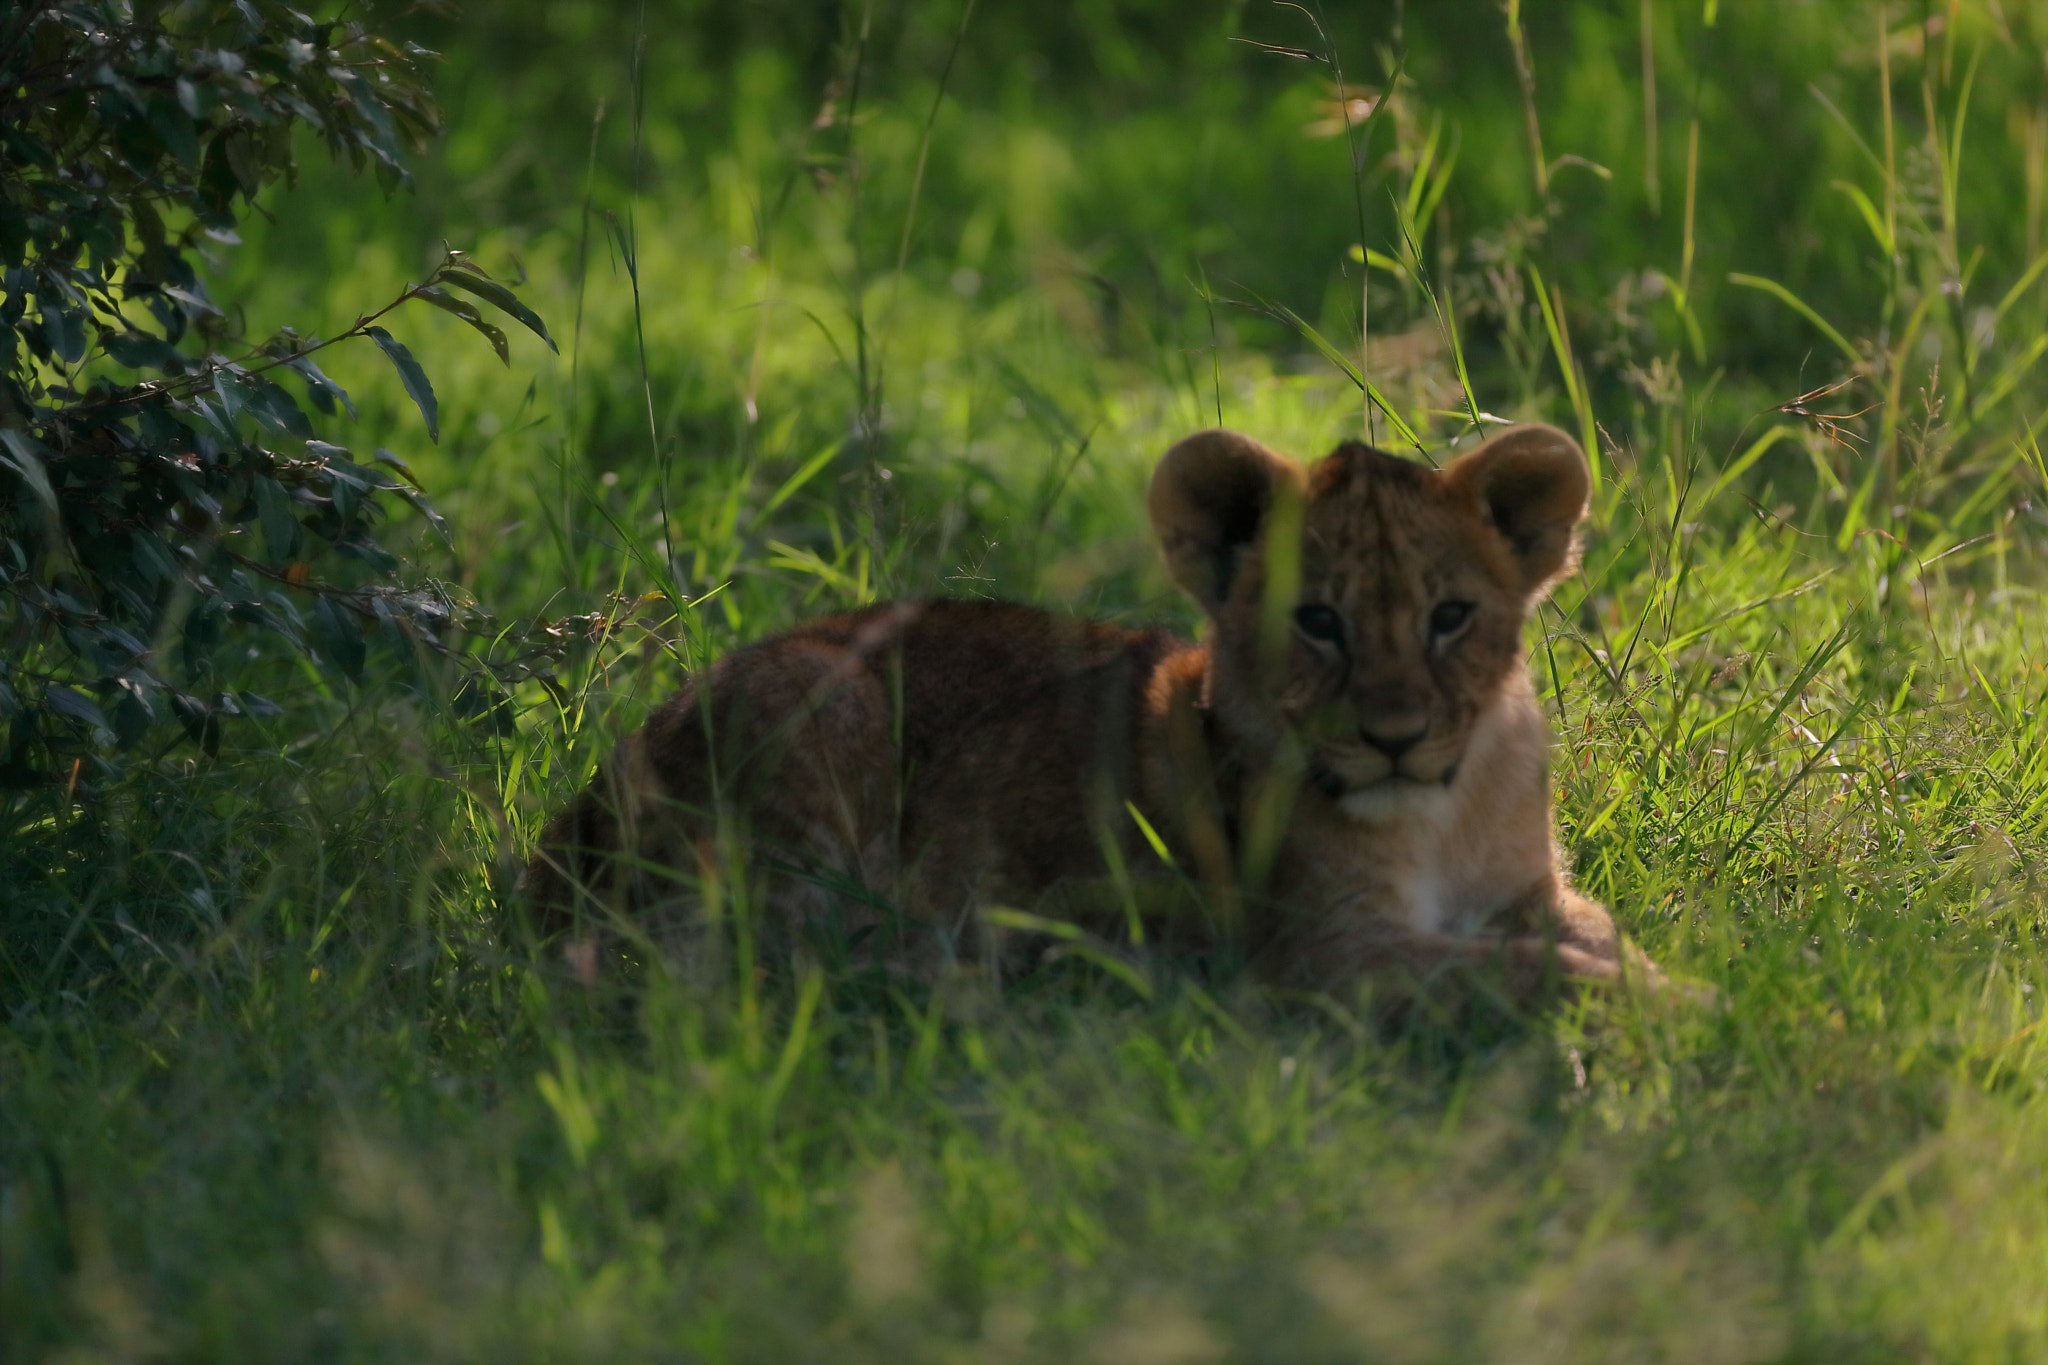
(281,1078)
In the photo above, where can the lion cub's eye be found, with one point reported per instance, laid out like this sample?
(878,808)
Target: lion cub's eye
(1319,622)
(1448,618)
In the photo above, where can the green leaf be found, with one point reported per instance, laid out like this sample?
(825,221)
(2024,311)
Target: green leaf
(274,508)
(1351,371)
(2019,289)
(64,329)
(173,127)
(340,640)
(350,484)
(1151,835)
(477,697)
(1799,306)
(131,720)
(798,480)
(276,410)
(153,557)
(386,457)
(500,298)
(234,395)
(75,705)
(194,299)
(243,160)
(324,392)
(259,706)
(466,310)
(25,456)
(140,351)
(1872,219)
(414,377)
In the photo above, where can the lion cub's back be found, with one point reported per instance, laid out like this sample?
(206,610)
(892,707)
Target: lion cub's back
(987,735)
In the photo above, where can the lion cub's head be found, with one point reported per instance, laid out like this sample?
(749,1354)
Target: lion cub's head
(1368,610)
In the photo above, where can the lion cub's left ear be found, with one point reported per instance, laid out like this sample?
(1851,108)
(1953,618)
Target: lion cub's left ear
(1531,483)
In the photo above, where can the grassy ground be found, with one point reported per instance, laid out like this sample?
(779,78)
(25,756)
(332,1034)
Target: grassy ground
(281,1079)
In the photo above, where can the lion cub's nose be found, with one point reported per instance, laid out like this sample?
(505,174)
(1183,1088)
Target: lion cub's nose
(1394,739)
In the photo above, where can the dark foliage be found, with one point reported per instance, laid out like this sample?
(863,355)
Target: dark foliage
(165,497)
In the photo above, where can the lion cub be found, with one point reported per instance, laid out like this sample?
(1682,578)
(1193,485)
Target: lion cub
(1351,766)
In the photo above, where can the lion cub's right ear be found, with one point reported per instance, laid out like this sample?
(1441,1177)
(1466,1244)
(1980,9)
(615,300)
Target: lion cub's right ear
(1531,484)
(1209,500)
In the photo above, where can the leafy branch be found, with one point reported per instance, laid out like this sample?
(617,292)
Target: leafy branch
(155,531)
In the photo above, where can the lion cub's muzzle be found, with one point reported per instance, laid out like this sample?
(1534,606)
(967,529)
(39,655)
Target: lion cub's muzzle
(1392,760)
(1394,736)
(1394,751)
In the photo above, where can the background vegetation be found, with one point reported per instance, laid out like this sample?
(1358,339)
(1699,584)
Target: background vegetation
(903,298)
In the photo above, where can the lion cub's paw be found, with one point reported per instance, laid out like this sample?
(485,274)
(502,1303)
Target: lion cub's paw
(1638,974)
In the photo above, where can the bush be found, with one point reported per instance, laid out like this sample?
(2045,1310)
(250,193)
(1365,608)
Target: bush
(164,497)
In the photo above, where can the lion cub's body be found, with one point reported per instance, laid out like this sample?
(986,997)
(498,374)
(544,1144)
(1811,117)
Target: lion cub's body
(1351,767)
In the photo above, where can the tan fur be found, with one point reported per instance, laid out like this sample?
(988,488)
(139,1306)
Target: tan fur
(1355,778)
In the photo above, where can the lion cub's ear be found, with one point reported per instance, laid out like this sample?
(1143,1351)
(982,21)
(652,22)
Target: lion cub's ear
(1209,500)
(1531,483)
